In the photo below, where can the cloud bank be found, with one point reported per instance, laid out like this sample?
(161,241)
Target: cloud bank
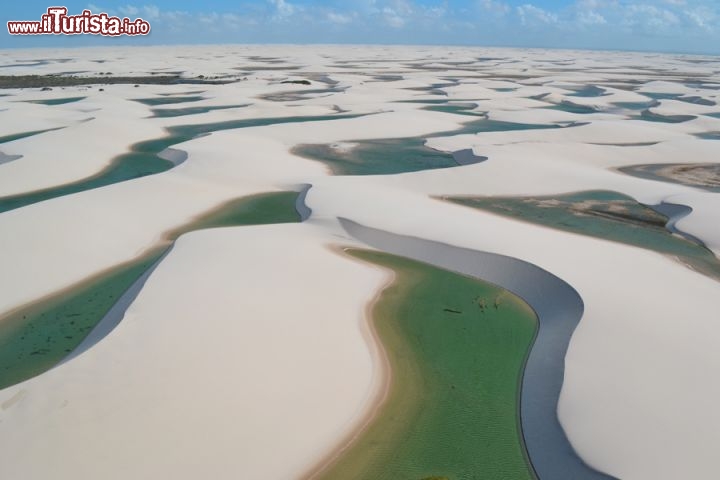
(661,25)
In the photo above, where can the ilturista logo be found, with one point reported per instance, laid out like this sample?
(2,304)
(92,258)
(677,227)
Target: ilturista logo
(57,22)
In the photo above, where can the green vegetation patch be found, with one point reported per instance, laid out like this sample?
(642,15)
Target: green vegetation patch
(43,81)
(457,348)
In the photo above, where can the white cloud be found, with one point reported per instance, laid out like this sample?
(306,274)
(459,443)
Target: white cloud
(392,18)
(595,4)
(283,9)
(650,16)
(234,20)
(231,17)
(702,17)
(150,12)
(214,21)
(209,18)
(443,20)
(435,12)
(99,9)
(129,10)
(402,7)
(339,18)
(591,17)
(530,14)
(494,6)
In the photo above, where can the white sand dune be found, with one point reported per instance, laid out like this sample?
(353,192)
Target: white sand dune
(77,151)
(232,369)
(246,345)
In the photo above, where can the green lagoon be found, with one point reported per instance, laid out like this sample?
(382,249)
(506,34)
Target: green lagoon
(636,105)
(708,135)
(167,100)
(588,91)
(143,159)
(401,155)
(37,337)
(375,157)
(457,108)
(651,116)
(602,214)
(662,96)
(57,101)
(570,107)
(180,112)
(457,348)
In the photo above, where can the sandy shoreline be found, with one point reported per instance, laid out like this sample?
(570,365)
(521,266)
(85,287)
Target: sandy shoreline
(383,374)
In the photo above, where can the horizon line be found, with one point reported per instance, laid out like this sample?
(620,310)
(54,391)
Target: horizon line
(351,44)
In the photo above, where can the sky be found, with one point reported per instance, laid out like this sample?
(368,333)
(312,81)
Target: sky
(687,26)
